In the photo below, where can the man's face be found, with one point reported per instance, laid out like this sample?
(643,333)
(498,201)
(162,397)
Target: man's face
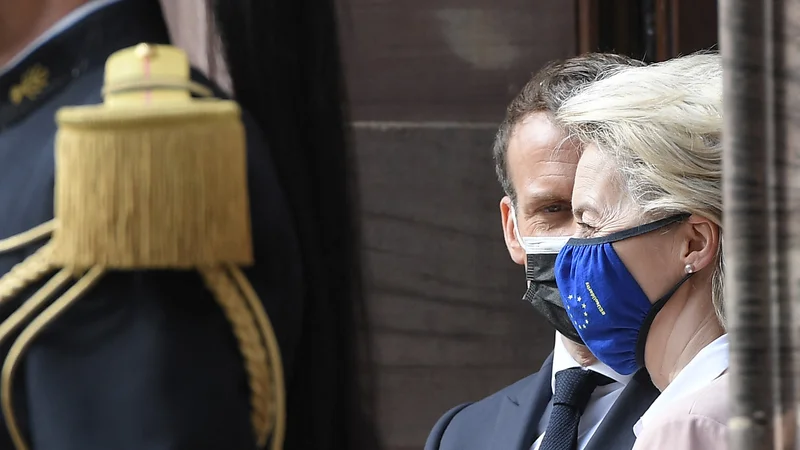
(541,167)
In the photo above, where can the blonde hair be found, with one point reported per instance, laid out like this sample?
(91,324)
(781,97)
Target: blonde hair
(662,124)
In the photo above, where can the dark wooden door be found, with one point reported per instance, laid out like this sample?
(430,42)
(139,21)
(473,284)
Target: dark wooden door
(651,30)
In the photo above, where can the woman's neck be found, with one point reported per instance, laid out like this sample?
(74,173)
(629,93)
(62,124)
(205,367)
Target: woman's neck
(695,326)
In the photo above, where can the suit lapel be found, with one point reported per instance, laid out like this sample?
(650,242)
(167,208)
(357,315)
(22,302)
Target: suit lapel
(518,420)
(616,430)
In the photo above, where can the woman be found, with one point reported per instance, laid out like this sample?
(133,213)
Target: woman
(642,278)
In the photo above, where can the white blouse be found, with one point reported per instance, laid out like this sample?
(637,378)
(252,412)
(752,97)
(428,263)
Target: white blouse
(704,368)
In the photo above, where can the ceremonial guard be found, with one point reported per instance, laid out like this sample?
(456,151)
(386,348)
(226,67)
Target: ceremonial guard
(149,245)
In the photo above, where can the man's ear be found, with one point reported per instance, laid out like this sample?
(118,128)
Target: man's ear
(515,249)
(702,243)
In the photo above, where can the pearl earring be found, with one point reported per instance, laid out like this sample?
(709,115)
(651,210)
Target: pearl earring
(689,268)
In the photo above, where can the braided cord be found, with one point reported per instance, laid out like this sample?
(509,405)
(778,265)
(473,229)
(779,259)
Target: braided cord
(29,271)
(237,298)
(33,304)
(273,355)
(28,237)
(26,338)
(255,358)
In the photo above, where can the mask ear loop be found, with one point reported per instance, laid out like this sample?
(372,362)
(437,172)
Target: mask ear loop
(537,246)
(513,213)
(641,340)
(629,233)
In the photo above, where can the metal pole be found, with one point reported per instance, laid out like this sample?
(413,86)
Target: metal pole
(787,163)
(781,176)
(745,40)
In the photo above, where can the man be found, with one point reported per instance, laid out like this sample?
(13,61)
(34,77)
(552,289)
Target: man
(148,360)
(562,406)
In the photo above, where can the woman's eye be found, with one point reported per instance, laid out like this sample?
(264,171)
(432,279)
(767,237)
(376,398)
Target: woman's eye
(585,226)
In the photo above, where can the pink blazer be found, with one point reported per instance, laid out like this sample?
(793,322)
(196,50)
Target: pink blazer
(697,422)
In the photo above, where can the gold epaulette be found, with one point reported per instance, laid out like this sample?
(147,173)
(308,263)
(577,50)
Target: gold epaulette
(150,179)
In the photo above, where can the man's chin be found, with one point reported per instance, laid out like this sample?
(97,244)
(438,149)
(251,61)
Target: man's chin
(579,352)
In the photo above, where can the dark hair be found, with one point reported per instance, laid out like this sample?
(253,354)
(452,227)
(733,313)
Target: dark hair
(545,92)
(285,68)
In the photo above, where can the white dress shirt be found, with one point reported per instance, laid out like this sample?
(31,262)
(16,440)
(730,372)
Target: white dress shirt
(599,403)
(705,367)
(63,24)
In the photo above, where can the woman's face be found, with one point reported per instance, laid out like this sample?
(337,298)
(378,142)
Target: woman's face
(656,260)
(602,206)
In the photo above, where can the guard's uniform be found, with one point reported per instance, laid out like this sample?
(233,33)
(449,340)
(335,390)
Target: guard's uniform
(147,360)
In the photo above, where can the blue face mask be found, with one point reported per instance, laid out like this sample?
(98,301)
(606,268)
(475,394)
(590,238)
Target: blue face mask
(607,306)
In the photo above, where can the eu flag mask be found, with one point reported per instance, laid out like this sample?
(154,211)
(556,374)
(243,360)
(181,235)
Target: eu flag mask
(604,302)
(542,292)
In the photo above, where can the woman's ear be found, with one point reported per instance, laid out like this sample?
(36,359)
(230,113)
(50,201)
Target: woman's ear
(514,247)
(702,243)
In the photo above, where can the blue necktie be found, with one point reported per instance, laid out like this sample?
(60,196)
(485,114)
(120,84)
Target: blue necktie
(574,387)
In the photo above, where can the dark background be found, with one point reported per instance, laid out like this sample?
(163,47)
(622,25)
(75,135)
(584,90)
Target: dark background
(429,81)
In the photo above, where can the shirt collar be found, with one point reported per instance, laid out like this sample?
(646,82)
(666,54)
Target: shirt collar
(705,367)
(563,360)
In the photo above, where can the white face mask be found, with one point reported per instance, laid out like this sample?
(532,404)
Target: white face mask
(544,245)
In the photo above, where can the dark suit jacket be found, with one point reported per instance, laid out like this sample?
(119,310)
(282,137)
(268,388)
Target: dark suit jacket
(145,360)
(508,419)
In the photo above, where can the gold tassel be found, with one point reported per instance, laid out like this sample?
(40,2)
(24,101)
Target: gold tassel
(167,190)
(151,179)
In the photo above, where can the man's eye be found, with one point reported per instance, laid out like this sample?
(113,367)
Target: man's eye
(584,226)
(556,208)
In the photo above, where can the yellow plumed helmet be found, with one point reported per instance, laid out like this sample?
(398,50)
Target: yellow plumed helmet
(152,178)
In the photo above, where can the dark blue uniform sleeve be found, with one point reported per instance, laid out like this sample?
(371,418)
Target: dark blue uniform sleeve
(148,361)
